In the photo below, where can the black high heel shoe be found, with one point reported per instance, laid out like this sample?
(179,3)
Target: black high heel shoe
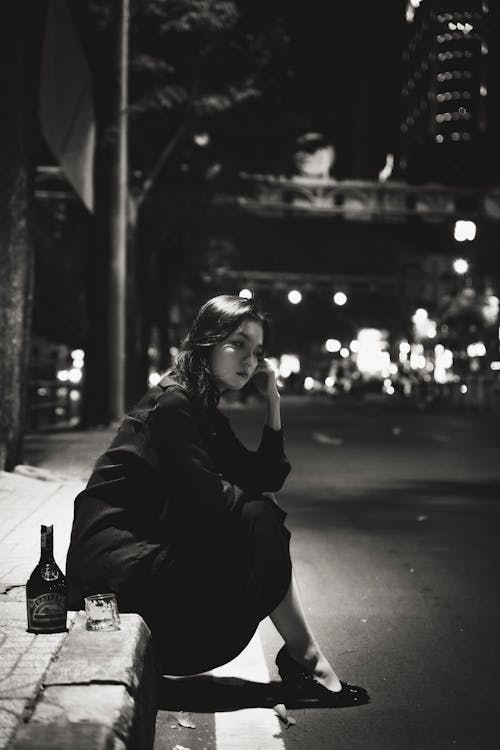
(305,685)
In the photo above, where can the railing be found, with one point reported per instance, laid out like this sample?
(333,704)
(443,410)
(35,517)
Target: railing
(51,401)
(361,200)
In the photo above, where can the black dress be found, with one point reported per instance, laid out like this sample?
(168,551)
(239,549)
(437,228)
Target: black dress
(174,522)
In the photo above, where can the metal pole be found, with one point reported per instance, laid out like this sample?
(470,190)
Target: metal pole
(119,228)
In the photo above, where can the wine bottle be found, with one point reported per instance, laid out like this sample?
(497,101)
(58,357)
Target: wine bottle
(46,590)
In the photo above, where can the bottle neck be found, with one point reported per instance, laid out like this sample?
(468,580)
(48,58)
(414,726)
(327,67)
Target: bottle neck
(46,544)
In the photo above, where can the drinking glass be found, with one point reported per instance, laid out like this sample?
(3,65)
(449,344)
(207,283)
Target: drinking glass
(102,612)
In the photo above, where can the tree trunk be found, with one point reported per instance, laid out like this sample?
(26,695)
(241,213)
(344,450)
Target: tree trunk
(95,405)
(20,41)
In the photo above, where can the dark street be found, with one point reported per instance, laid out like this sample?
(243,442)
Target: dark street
(395,519)
(395,527)
(289,214)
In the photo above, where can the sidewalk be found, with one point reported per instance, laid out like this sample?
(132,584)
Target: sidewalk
(28,500)
(43,492)
(74,689)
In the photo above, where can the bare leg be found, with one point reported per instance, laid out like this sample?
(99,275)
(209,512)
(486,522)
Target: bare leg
(289,619)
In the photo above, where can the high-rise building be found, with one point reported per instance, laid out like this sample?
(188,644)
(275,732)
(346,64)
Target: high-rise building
(449,92)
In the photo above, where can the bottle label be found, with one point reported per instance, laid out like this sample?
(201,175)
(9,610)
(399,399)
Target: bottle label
(47,612)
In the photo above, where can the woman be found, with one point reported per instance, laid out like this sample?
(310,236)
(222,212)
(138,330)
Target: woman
(179,520)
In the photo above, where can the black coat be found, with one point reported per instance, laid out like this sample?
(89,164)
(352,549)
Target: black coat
(168,523)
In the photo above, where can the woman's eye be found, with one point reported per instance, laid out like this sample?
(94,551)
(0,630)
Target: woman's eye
(236,345)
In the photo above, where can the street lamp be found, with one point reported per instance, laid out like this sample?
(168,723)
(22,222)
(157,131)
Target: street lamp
(421,315)
(339,298)
(464,230)
(294,296)
(460,266)
(333,345)
(424,327)
(201,139)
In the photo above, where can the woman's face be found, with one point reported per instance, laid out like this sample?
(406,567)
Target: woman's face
(234,360)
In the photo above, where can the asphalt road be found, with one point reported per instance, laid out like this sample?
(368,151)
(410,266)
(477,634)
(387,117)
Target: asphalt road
(395,527)
(396,545)
(395,540)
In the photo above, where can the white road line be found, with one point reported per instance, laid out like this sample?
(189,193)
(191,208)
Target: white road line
(320,437)
(249,728)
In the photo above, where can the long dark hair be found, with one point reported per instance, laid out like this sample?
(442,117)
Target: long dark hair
(215,321)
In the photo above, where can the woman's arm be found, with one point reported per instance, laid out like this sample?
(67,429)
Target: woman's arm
(266,468)
(273,416)
(264,379)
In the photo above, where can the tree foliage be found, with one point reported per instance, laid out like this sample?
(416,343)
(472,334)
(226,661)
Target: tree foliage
(192,63)
(196,69)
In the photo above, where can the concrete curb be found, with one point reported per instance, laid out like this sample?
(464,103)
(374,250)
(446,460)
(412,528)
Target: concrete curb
(78,689)
(99,692)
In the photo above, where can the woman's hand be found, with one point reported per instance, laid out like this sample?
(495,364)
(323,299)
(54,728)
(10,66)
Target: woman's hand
(264,379)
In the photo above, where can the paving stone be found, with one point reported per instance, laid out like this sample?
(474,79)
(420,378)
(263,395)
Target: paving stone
(20,686)
(12,613)
(12,711)
(24,659)
(88,736)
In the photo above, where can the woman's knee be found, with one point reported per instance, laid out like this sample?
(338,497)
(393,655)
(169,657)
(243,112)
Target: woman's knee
(259,509)
(246,496)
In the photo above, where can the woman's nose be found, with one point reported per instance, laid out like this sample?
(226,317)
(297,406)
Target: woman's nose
(250,360)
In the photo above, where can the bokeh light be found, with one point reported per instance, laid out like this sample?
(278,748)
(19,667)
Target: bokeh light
(333,345)
(460,266)
(464,230)
(201,139)
(294,296)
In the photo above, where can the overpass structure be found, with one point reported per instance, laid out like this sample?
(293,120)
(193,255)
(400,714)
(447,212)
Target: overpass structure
(284,280)
(360,200)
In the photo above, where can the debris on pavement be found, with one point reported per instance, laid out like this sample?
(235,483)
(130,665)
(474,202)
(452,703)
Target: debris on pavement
(37,472)
(282,714)
(184,720)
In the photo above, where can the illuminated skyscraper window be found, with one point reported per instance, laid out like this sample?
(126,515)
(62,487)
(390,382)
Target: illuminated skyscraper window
(444,113)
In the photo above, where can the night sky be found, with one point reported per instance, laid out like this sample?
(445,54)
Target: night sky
(346,58)
(351,58)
